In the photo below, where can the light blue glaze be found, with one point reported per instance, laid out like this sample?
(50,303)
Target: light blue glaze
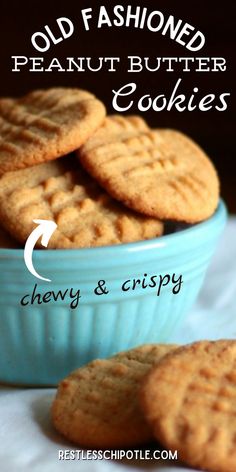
(40,344)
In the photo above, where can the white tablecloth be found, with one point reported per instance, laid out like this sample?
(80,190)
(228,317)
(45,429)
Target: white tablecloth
(28,442)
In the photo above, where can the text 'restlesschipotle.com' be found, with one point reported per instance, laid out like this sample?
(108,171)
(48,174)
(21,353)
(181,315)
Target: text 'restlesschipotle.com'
(116,454)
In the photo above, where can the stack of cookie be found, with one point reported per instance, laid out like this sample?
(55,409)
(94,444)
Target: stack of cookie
(134,179)
(184,397)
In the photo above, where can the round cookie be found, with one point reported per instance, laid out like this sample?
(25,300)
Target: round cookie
(46,124)
(189,401)
(97,405)
(86,216)
(161,173)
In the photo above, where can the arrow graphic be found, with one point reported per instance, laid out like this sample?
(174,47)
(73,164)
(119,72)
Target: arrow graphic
(45,229)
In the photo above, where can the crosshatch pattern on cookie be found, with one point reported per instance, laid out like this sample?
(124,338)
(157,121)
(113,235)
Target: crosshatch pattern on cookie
(189,400)
(161,173)
(45,124)
(117,125)
(60,191)
(97,405)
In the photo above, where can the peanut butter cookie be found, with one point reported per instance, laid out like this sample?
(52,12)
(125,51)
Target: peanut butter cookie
(161,173)
(189,401)
(97,405)
(60,191)
(46,124)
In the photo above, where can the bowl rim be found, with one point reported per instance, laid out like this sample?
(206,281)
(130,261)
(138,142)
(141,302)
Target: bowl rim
(217,219)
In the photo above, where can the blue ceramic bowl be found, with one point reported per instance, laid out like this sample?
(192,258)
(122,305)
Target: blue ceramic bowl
(48,329)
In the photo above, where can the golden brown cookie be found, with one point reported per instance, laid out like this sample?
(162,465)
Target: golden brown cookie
(60,191)
(161,173)
(97,405)
(46,124)
(189,400)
